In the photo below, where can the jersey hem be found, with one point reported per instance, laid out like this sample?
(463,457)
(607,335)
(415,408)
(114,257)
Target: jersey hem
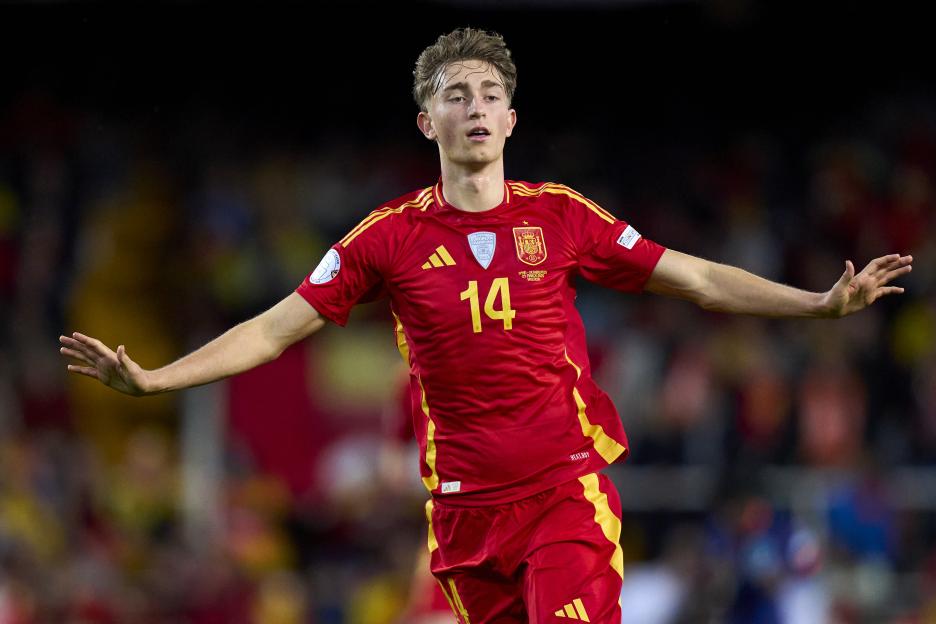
(493,497)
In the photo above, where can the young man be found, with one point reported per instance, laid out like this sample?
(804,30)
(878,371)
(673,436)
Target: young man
(512,430)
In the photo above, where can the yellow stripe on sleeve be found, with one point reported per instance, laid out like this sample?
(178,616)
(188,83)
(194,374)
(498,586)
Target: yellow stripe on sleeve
(605,518)
(558,189)
(364,222)
(591,204)
(381,213)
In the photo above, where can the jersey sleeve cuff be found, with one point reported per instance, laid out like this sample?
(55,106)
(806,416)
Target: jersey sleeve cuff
(654,254)
(322,308)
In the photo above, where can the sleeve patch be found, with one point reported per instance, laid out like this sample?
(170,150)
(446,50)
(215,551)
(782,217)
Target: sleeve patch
(628,238)
(327,269)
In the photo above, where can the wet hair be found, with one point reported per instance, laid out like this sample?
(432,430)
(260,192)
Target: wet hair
(462,44)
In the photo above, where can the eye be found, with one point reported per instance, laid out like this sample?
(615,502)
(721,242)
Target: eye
(492,98)
(457,98)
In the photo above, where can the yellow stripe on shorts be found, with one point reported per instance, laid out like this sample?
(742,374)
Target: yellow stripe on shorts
(605,518)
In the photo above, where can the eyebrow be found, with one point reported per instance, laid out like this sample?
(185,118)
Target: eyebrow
(464,85)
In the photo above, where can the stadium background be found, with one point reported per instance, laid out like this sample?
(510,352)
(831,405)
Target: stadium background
(169,170)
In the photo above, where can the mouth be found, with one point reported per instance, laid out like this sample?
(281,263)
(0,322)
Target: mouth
(478,133)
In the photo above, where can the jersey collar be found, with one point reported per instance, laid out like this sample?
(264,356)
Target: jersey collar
(443,205)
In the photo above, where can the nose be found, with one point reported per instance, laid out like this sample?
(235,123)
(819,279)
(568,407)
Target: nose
(475,108)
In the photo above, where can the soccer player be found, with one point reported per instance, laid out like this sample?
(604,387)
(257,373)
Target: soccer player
(478,270)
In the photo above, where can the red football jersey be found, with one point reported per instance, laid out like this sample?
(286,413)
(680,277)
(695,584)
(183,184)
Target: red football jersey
(503,401)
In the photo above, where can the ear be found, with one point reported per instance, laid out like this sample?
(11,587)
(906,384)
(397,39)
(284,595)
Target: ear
(424,121)
(511,121)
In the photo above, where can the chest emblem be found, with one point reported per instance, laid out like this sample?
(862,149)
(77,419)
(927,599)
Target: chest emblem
(531,246)
(482,246)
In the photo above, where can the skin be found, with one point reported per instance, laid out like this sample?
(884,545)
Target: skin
(724,288)
(471,94)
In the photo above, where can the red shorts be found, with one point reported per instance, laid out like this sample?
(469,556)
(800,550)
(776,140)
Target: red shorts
(554,555)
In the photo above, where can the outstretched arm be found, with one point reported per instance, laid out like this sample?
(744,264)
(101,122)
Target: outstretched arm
(724,288)
(249,344)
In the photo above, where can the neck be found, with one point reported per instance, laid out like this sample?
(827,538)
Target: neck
(473,189)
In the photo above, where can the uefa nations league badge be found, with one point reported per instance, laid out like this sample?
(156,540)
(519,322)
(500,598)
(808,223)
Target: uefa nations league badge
(482,246)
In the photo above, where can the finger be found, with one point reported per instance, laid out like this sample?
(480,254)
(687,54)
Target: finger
(95,345)
(897,262)
(890,275)
(122,357)
(77,346)
(893,261)
(87,371)
(889,290)
(886,261)
(879,265)
(848,274)
(75,354)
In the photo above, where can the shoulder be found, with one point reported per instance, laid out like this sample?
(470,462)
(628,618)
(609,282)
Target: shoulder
(532,189)
(387,216)
(546,189)
(565,196)
(418,199)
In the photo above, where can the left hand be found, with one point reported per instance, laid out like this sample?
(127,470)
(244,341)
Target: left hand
(855,292)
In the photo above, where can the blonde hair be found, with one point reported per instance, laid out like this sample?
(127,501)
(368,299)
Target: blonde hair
(462,44)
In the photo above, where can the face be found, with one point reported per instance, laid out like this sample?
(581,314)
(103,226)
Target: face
(469,115)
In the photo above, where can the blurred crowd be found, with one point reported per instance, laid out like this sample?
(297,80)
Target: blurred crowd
(159,237)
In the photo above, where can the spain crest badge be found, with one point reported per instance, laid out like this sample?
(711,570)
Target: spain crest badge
(531,247)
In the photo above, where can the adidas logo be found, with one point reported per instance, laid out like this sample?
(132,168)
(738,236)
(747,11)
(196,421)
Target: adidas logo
(574,611)
(441,257)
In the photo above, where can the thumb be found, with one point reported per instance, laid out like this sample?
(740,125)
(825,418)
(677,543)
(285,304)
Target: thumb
(848,274)
(122,357)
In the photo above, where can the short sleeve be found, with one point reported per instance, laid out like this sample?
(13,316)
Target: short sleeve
(348,273)
(612,252)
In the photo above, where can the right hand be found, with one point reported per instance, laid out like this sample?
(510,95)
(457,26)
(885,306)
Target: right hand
(113,369)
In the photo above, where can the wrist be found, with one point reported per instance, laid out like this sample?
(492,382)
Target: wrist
(152,382)
(825,306)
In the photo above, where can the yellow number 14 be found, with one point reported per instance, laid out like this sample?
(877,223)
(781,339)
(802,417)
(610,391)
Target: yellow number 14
(501,287)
